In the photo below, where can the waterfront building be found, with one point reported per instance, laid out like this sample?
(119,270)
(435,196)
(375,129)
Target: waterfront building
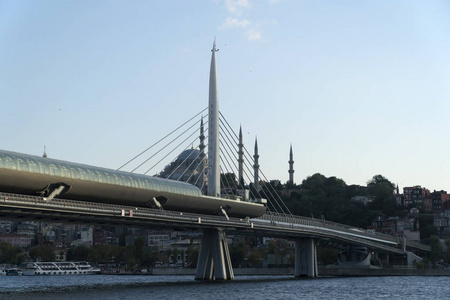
(6,226)
(23,241)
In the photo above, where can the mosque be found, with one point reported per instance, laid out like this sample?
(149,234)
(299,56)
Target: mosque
(190,166)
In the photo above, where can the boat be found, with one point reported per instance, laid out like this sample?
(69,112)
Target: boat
(13,272)
(59,268)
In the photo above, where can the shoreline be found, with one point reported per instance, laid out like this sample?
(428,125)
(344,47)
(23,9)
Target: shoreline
(324,271)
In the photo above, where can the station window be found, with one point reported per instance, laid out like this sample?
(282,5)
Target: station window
(10,162)
(131,182)
(82,174)
(99,176)
(64,171)
(116,179)
(42,167)
(108,178)
(74,174)
(22,165)
(54,170)
(92,175)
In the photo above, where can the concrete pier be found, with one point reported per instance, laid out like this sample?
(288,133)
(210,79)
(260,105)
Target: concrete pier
(306,258)
(214,257)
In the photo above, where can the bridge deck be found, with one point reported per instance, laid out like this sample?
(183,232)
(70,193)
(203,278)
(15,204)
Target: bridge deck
(271,224)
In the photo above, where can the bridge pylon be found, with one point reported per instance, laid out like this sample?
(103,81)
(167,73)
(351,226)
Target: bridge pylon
(306,258)
(214,261)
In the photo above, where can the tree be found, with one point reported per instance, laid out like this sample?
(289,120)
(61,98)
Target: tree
(426,225)
(238,252)
(436,249)
(10,254)
(255,258)
(42,253)
(79,253)
(175,253)
(193,256)
(272,247)
(447,254)
(327,256)
(103,253)
(229,180)
(383,192)
(149,258)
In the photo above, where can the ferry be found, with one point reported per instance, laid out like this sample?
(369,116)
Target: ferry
(59,268)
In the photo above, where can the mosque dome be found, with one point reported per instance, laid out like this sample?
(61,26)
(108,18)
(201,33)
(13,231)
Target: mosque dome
(189,154)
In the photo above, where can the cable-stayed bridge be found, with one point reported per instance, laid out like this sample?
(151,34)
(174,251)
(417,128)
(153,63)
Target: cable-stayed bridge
(269,225)
(197,190)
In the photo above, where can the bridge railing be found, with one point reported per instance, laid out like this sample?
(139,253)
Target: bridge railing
(283,220)
(277,217)
(115,210)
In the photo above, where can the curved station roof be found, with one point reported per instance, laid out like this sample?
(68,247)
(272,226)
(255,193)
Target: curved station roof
(58,168)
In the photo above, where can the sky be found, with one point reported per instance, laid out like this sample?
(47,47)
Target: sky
(359,88)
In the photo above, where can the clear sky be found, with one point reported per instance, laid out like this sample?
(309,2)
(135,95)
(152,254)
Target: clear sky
(358,87)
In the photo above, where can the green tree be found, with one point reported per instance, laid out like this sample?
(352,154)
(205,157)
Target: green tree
(133,264)
(175,253)
(327,256)
(193,256)
(426,226)
(238,252)
(255,258)
(10,254)
(79,253)
(101,253)
(447,254)
(149,258)
(436,249)
(42,253)
(383,191)
(228,179)
(272,247)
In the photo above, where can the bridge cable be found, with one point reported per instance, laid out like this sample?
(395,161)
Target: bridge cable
(223,120)
(170,151)
(161,139)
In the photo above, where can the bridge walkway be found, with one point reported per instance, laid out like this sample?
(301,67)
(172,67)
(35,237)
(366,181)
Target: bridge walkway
(270,224)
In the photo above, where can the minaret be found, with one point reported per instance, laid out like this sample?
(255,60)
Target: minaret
(45,153)
(213,130)
(256,166)
(291,167)
(202,153)
(241,159)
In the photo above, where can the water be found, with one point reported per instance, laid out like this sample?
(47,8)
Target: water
(243,287)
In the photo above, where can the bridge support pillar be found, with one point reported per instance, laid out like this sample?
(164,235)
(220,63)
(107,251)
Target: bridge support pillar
(214,257)
(306,258)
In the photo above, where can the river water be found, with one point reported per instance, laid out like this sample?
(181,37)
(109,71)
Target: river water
(243,287)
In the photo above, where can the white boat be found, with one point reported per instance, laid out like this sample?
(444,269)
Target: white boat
(59,268)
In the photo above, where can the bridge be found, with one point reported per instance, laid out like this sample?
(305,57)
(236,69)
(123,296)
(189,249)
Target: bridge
(269,225)
(70,192)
